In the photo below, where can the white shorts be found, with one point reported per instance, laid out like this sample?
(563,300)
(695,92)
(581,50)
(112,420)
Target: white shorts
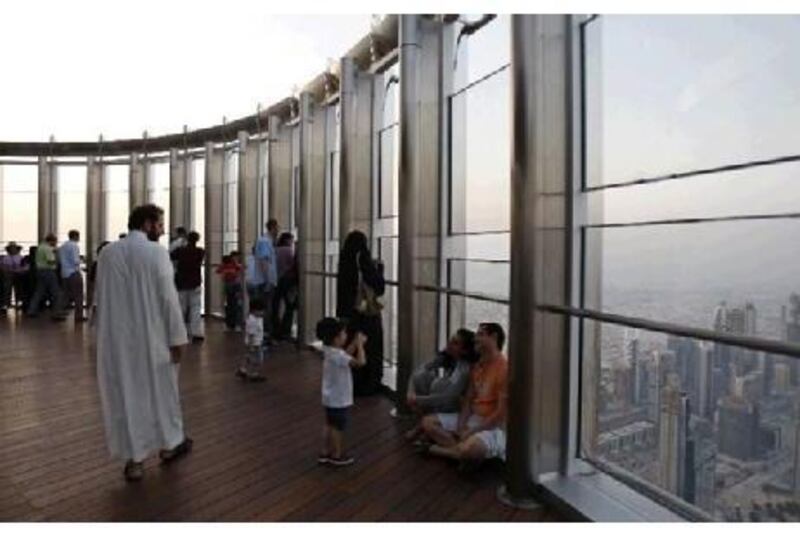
(493,439)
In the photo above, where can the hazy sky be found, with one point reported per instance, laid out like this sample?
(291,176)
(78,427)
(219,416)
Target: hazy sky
(76,70)
(79,69)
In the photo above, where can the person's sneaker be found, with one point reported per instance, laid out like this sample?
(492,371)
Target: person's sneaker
(241,373)
(341,461)
(323,459)
(256,378)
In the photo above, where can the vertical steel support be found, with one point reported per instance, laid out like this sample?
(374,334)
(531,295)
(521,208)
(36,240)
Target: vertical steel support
(214,228)
(280,173)
(347,126)
(541,181)
(419,176)
(179,191)
(137,185)
(419,195)
(47,198)
(249,199)
(95,208)
(303,217)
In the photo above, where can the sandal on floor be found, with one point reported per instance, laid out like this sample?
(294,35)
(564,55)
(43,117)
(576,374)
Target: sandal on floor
(167,456)
(133,471)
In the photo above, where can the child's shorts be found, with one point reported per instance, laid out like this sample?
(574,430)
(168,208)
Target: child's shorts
(337,417)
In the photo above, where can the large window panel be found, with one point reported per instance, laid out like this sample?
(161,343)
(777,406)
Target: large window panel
(482,52)
(20,186)
(198,185)
(71,201)
(159,193)
(754,191)
(115,188)
(671,94)
(480,157)
(681,273)
(714,425)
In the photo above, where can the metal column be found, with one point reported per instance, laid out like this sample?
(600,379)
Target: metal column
(137,182)
(541,177)
(311,243)
(305,331)
(214,228)
(180,176)
(280,172)
(95,208)
(248,192)
(48,198)
(355,150)
(419,192)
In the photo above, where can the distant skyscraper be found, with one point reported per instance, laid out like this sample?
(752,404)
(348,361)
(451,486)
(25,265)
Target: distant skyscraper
(739,432)
(703,465)
(792,334)
(673,433)
(705,380)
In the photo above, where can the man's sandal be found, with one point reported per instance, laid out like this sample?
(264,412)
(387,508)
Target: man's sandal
(167,456)
(133,471)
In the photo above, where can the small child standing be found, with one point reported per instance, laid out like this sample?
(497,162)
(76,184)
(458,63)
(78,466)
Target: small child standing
(231,272)
(250,365)
(337,386)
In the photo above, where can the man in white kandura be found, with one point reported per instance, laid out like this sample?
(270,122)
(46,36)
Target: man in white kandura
(141,338)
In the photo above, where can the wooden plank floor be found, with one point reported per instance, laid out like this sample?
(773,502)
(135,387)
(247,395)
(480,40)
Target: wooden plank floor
(255,445)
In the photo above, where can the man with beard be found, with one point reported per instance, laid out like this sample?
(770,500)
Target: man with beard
(141,338)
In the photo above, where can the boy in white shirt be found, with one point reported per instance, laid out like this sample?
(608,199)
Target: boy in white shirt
(250,365)
(337,386)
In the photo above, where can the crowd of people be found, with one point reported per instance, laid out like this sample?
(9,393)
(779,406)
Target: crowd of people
(49,276)
(148,309)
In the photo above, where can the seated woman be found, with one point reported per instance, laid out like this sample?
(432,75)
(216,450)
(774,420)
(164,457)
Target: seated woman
(437,386)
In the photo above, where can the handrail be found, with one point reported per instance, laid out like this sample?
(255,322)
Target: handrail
(731,339)
(433,288)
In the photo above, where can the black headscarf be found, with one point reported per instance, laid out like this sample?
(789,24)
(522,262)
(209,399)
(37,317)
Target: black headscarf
(355,257)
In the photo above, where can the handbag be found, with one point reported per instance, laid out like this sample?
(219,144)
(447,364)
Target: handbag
(367,302)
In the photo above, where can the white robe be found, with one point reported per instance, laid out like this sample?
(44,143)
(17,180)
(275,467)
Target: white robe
(138,319)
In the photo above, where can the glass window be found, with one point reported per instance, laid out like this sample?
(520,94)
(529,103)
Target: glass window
(19,210)
(198,186)
(71,201)
(482,52)
(117,178)
(714,425)
(159,193)
(481,157)
(673,94)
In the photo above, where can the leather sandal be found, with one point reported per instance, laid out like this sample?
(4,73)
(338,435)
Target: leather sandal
(133,471)
(167,456)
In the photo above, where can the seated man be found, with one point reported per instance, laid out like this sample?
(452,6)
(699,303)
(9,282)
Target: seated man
(478,431)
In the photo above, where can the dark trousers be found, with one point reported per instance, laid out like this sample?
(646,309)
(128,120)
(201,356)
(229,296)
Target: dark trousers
(286,294)
(11,283)
(368,379)
(73,290)
(46,285)
(233,304)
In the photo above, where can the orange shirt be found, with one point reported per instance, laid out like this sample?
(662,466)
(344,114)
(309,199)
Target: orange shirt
(490,385)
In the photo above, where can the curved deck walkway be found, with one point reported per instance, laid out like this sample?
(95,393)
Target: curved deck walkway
(255,445)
